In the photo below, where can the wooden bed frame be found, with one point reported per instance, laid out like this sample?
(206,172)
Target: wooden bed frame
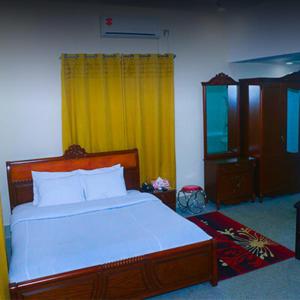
(136,277)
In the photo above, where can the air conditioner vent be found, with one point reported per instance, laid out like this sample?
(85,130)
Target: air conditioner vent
(129,27)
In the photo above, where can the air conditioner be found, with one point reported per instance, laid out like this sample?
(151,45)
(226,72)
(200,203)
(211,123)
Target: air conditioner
(130,27)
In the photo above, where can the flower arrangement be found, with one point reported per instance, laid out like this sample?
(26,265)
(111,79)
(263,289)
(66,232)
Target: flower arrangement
(161,184)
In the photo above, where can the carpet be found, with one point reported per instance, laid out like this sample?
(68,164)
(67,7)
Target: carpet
(239,248)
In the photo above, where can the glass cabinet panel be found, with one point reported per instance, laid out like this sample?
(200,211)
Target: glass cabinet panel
(217,118)
(221,114)
(293,110)
(254,94)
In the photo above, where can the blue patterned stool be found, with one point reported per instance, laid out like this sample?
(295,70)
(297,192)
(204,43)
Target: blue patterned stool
(192,198)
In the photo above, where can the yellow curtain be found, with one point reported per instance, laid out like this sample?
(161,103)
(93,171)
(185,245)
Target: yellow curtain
(114,102)
(4,293)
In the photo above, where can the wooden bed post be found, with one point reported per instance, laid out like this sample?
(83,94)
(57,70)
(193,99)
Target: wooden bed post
(214,279)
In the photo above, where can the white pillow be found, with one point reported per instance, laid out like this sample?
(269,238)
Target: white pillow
(100,170)
(38,176)
(62,190)
(104,185)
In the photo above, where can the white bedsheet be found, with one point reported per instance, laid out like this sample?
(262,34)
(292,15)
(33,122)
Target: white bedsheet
(51,240)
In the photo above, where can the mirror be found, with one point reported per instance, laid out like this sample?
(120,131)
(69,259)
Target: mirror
(221,116)
(292,116)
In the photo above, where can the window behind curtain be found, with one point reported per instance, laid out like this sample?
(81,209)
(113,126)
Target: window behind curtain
(114,102)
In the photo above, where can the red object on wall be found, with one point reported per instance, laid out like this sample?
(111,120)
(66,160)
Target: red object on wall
(108,21)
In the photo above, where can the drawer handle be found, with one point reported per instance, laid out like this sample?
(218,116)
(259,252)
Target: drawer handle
(237,184)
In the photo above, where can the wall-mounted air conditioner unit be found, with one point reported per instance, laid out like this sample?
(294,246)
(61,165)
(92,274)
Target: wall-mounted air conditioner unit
(129,27)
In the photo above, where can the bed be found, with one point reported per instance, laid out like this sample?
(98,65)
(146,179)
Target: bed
(164,266)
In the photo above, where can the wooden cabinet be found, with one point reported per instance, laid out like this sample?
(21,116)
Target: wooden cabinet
(270,131)
(229,181)
(167,197)
(229,178)
(297,242)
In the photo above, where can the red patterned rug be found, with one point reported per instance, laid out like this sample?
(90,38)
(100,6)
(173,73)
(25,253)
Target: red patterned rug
(240,249)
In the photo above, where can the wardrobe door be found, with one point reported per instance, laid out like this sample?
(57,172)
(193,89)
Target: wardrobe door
(273,126)
(280,163)
(273,166)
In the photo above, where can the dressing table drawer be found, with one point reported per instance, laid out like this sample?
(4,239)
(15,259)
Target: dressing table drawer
(235,167)
(235,187)
(230,181)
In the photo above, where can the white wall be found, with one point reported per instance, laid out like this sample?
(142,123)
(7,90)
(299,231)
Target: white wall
(32,39)
(269,29)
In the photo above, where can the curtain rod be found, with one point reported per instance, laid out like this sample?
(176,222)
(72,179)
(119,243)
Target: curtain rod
(113,55)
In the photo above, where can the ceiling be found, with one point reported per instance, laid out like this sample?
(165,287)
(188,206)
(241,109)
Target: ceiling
(220,5)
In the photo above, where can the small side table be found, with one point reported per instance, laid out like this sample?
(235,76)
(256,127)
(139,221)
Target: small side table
(297,243)
(167,197)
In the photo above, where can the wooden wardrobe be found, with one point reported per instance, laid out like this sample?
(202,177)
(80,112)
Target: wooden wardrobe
(270,132)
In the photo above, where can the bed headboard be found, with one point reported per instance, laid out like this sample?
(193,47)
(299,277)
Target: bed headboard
(20,179)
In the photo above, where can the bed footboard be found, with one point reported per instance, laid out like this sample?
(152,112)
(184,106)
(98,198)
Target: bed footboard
(137,277)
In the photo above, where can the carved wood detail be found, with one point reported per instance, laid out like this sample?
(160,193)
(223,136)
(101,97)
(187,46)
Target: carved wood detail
(123,262)
(75,151)
(20,179)
(221,79)
(132,278)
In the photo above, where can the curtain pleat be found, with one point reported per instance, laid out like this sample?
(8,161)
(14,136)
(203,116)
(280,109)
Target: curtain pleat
(114,102)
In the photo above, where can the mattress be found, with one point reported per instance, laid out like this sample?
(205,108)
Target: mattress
(56,239)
